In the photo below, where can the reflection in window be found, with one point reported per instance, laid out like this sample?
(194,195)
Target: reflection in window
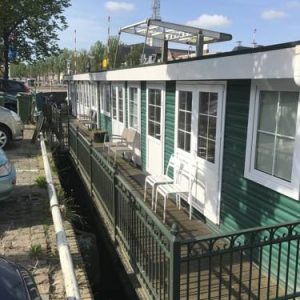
(207,122)
(276,133)
(133,107)
(154,112)
(184,120)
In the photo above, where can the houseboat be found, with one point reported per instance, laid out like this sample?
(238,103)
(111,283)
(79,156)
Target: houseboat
(235,115)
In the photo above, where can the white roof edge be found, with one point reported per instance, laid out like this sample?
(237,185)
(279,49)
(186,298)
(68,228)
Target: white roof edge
(266,64)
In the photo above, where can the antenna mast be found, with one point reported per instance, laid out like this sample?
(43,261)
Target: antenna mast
(156,10)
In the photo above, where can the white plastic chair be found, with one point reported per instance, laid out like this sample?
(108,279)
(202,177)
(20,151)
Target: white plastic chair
(177,188)
(155,180)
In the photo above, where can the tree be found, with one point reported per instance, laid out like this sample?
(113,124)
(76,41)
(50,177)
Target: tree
(134,56)
(31,27)
(96,54)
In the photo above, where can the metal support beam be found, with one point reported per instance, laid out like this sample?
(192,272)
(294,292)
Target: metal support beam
(200,44)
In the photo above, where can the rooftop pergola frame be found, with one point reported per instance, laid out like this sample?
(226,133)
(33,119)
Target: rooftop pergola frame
(175,33)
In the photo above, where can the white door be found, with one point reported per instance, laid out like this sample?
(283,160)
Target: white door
(117,100)
(201,141)
(155,130)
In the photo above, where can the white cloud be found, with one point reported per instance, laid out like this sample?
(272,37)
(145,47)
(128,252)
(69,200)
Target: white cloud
(210,21)
(273,14)
(293,4)
(113,6)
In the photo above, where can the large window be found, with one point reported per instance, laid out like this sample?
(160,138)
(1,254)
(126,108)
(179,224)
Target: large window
(184,120)
(114,102)
(271,154)
(133,107)
(120,104)
(154,113)
(117,103)
(207,121)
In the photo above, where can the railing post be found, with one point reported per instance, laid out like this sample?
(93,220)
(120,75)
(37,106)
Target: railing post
(115,202)
(77,129)
(174,275)
(91,167)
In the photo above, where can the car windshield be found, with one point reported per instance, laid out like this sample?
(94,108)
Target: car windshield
(11,284)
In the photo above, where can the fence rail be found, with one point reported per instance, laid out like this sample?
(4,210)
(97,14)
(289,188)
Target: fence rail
(257,263)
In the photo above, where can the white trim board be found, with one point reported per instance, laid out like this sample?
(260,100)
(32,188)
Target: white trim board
(259,65)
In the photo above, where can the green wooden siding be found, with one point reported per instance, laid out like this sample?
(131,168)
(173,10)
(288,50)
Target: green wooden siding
(169,121)
(106,123)
(245,203)
(143,125)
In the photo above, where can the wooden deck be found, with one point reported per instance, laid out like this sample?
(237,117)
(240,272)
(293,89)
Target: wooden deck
(231,276)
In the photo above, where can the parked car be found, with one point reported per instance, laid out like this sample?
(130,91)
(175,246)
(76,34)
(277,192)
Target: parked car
(11,88)
(7,177)
(16,283)
(11,127)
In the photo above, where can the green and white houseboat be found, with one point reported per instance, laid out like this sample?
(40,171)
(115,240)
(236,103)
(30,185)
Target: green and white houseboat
(235,114)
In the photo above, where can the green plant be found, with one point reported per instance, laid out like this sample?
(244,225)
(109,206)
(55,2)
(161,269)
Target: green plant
(35,251)
(41,181)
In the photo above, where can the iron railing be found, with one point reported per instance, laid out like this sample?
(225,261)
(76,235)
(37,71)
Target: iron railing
(258,263)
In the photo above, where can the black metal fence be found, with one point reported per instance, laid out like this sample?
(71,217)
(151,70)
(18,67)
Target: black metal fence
(259,263)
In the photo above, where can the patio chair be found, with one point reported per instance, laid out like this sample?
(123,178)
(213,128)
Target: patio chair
(177,188)
(112,140)
(125,146)
(155,180)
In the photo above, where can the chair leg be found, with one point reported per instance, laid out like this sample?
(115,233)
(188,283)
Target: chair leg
(145,191)
(156,201)
(152,195)
(165,204)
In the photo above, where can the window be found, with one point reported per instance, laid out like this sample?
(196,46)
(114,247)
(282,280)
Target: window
(154,112)
(207,121)
(120,104)
(106,98)
(272,140)
(114,102)
(184,120)
(133,107)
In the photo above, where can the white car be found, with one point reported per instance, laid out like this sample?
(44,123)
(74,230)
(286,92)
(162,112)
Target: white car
(11,127)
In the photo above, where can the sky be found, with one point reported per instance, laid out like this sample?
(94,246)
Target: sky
(273,21)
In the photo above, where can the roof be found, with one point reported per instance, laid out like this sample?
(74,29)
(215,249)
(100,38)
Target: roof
(175,33)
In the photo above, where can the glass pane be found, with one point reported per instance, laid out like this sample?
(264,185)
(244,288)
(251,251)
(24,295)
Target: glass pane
(181,121)
(158,96)
(157,131)
(182,100)
(268,111)
(288,113)
(211,151)
(188,122)
(187,142)
(189,101)
(284,158)
(213,104)
(204,101)
(264,152)
(202,148)
(151,96)
(151,112)
(212,128)
(150,128)
(157,114)
(203,120)
(180,140)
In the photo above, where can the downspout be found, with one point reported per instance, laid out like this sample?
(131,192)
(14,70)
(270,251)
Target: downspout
(71,286)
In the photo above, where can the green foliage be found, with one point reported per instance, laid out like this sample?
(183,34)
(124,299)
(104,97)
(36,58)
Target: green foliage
(133,57)
(41,181)
(35,251)
(31,27)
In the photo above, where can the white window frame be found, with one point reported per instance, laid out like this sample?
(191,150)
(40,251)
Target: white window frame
(136,85)
(290,189)
(118,86)
(104,108)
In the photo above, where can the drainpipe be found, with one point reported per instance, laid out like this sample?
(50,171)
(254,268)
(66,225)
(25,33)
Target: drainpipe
(297,65)
(71,286)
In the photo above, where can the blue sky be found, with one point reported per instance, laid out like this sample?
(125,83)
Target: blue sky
(275,21)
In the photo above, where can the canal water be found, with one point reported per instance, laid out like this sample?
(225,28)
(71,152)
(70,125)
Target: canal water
(105,271)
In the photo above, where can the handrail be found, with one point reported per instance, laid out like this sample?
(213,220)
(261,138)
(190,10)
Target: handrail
(71,285)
